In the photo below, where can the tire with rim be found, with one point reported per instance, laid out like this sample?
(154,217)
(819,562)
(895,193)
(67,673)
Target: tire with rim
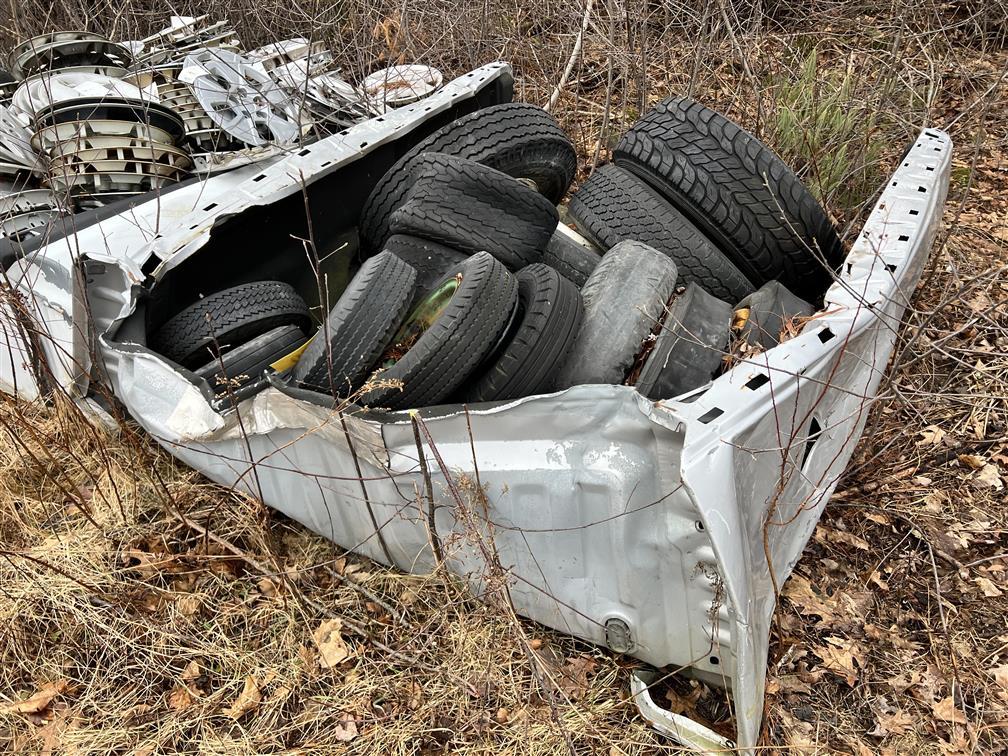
(549,317)
(613,205)
(359,326)
(472,208)
(766,313)
(690,346)
(447,336)
(430,260)
(248,361)
(737,191)
(519,139)
(228,318)
(572,259)
(624,299)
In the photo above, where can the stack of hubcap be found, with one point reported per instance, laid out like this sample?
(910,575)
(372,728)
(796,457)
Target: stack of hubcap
(69,51)
(109,146)
(202,136)
(304,70)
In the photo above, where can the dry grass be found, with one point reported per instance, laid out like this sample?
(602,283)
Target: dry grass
(150,611)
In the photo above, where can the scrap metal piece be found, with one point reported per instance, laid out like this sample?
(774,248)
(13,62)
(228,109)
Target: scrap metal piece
(681,729)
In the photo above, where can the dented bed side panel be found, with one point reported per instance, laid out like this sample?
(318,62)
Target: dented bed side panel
(785,424)
(585,523)
(44,328)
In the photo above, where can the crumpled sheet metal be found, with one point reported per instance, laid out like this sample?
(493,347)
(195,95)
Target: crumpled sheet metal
(814,406)
(605,507)
(43,318)
(596,495)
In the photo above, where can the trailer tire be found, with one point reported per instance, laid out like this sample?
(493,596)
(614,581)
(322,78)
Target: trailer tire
(613,205)
(359,326)
(465,332)
(624,298)
(251,359)
(228,317)
(573,261)
(472,208)
(702,163)
(518,139)
(549,316)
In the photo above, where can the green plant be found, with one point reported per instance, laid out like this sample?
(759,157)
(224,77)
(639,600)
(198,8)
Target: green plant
(823,131)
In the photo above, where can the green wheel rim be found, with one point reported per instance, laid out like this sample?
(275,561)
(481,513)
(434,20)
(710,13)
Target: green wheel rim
(423,316)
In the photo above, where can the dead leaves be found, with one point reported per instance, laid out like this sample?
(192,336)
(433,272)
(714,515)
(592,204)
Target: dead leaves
(248,700)
(842,610)
(575,676)
(825,534)
(180,699)
(987,474)
(1000,675)
(989,477)
(891,720)
(345,729)
(332,648)
(946,711)
(839,656)
(572,676)
(189,690)
(39,701)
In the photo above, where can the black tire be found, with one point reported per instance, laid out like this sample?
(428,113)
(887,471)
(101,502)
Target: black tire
(521,140)
(574,261)
(549,317)
(472,208)
(770,308)
(734,189)
(228,318)
(623,301)
(690,347)
(430,260)
(359,327)
(457,342)
(613,205)
(245,363)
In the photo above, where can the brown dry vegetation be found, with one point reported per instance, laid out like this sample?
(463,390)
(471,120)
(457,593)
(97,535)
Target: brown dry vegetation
(146,610)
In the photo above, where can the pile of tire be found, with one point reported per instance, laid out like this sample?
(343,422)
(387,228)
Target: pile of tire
(469,288)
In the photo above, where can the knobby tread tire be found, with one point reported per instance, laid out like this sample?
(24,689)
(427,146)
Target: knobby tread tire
(613,205)
(359,326)
(624,299)
(550,313)
(472,208)
(735,190)
(690,347)
(458,341)
(249,360)
(518,139)
(573,261)
(228,318)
